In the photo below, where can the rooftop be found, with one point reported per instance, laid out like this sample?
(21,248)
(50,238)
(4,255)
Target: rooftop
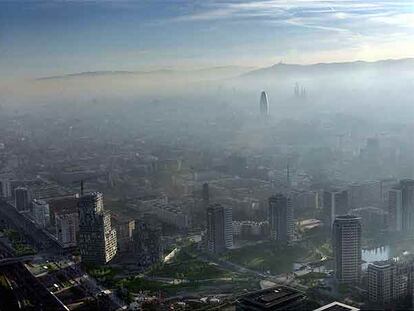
(336,306)
(275,298)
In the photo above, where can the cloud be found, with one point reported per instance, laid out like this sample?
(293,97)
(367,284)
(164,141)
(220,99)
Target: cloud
(304,12)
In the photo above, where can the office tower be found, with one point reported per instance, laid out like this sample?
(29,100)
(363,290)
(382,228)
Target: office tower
(390,281)
(62,206)
(147,248)
(395,210)
(22,199)
(40,212)
(335,202)
(407,196)
(206,193)
(364,194)
(264,104)
(346,243)
(296,90)
(385,186)
(124,231)
(97,239)
(281,218)
(381,278)
(5,189)
(67,227)
(373,219)
(219,228)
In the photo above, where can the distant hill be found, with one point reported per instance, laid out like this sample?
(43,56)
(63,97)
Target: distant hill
(222,71)
(329,68)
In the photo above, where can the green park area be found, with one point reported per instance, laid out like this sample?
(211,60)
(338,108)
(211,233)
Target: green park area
(140,284)
(18,243)
(104,274)
(311,279)
(272,257)
(187,273)
(186,265)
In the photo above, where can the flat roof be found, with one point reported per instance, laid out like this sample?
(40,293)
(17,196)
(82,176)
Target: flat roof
(275,298)
(336,306)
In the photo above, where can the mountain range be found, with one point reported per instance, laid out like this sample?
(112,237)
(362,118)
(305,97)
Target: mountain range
(406,64)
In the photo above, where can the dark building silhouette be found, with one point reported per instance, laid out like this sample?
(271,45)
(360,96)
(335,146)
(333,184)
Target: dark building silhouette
(264,104)
(206,193)
(97,239)
(346,243)
(219,228)
(147,248)
(22,199)
(281,218)
(407,204)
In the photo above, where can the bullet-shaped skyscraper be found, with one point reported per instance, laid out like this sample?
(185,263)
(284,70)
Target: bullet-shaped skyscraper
(97,239)
(281,218)
(264,104)
(346,244)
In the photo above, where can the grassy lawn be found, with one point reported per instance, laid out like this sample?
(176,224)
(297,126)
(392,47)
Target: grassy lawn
(104,274)
(198,276)
(312,275)
(186,266)
(18,243)
(267,256)
(135,285)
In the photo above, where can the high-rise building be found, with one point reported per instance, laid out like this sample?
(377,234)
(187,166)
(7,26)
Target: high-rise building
(364,194)
(40,212)
(63,205)
(281,218)
(5,189)
(22,199)
(381,277)
(395,210)
(386,185)
(67,227)
(373,219)
(346,242)
(206,193)
(390,281)
(97,239)
(124,232)
(147,248)
(219,228)
(264,104)
(407,196)
(335,203)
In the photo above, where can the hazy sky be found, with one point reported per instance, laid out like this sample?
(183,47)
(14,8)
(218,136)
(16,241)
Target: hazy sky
(39,38)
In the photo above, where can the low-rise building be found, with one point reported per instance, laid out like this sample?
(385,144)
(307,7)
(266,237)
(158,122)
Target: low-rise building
(274,298)
(247,229)
(172,214)
(336,306)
